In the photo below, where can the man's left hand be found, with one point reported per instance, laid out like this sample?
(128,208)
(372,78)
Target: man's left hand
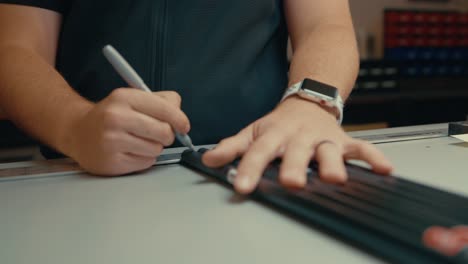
(297,131)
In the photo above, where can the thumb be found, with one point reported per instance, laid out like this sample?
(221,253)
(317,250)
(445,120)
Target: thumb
(229,149)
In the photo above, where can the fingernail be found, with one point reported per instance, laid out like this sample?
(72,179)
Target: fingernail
(187,128)
(231,175)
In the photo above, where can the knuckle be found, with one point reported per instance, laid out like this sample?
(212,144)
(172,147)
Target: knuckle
(111,117)
(109,142)
(331,143)
(167,113)
(276,130)
(361,143)
(364,146)
(224,142)
(175,97)
(303,141)
(158,148)
(339,147)
(119,94)
(171,97)
(179,123)
(167,134)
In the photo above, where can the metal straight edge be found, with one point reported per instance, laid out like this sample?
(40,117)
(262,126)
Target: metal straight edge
(20,171)
(400,134)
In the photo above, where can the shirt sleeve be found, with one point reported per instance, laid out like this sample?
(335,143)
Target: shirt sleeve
(60,6)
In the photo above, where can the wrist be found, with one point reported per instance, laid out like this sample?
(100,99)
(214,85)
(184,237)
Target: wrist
(321,94)
(68,125)
(308,107)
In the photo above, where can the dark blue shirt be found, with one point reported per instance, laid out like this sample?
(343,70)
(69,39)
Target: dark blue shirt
(227,59)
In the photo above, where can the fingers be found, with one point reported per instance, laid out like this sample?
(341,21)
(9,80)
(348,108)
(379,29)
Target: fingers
(154,105)
(362,150)
(228,149)
(136,163)
(296,159)
(140,147)
(329,155)
(171,96)
(148,128)
(126,131)
(255,160)
(118,164)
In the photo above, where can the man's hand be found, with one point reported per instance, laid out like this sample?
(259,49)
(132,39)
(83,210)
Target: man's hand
(324,49)
(125,132)
(298,131)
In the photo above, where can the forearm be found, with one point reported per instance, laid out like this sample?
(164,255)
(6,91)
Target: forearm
(327,54)
(2,114)
(35,96)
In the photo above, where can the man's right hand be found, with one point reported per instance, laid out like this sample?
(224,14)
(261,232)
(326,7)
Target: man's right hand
(125,132)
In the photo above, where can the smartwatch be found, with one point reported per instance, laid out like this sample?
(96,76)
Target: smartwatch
(322,94)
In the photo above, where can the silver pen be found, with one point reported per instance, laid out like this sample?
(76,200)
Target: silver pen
(134,80)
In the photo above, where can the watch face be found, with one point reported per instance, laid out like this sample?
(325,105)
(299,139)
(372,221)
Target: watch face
(321,88)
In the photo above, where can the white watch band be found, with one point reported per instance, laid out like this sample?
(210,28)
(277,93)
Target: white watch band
(338,104)
(292,90)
